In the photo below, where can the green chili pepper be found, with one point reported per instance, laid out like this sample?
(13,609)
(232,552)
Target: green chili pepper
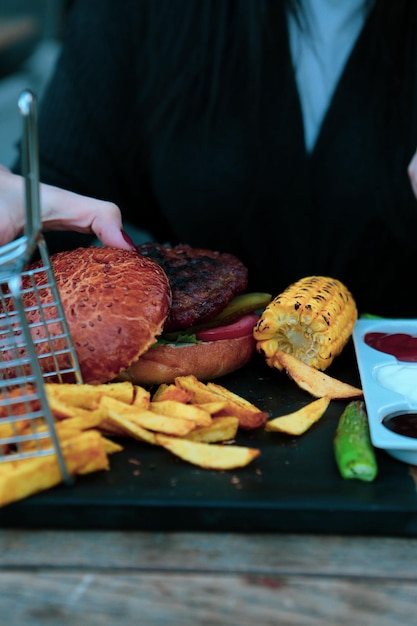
(354,452)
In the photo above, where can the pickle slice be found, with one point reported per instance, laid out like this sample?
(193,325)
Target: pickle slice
(240,305)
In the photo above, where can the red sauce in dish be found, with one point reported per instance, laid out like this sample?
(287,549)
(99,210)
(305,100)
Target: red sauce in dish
(400,345)
(402,424)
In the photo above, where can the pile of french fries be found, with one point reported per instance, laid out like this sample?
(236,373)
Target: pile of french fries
(195,421)
(198,422)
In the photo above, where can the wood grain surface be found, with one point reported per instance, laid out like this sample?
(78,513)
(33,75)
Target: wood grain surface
(73,578)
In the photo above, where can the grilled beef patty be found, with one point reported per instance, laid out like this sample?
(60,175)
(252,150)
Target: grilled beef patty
(203,282)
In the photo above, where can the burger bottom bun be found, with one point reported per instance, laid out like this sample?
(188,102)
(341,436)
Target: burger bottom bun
(206,361)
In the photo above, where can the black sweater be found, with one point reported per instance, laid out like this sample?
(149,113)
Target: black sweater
(346,210)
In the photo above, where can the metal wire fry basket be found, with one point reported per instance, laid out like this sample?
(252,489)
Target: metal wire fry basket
(35,341)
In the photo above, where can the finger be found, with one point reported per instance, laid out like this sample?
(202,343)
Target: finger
(12,215)
(65,210)
(111,235)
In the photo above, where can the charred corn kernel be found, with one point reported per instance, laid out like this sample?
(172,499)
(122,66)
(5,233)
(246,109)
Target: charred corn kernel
(312,320)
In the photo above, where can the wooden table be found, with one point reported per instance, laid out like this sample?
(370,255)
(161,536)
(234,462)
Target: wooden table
(89,577)
(158,544)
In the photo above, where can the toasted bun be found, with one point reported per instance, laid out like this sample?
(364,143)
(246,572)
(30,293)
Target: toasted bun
(206,361)
(116,303)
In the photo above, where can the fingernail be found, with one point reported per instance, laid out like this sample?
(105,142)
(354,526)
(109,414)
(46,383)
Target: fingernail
(128,240)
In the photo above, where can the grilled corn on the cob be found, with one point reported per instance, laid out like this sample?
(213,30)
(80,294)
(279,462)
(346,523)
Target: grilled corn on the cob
(312,319)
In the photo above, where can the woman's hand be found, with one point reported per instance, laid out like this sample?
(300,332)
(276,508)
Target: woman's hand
(60,210)
(412,173)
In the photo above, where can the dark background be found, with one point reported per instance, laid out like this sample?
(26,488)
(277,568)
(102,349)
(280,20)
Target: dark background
(30,32)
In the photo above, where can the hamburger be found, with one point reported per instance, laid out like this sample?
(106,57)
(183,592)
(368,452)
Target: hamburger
(151,315)
(209,328)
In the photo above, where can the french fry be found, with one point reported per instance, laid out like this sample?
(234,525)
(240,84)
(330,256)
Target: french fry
(107,403)
(162,423)
(19,402)
(300,421)
(87,396)
(172,408)
(109,428)
(21,478)
(171,392)
(128,428)
(123,391)
(213,407)
(83,420)
(120,415)
(250,417)
(60,408)
(197,390)
(315,382)
(66,429)
(12,429)
(142,397)
(111,447)
(150,420)
(117,418)
(41,440)
(64,412)
(220,429)
(162,389)
(207,455)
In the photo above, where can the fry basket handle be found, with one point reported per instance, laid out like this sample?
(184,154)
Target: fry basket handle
(30,165)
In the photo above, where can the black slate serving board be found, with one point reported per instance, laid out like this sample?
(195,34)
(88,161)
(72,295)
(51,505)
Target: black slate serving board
(294,486)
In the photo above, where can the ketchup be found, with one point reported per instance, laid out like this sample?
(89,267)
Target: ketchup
(402,424)
(400,345)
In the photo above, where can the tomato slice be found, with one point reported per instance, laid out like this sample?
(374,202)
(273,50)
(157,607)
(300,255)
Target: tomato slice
(239,328)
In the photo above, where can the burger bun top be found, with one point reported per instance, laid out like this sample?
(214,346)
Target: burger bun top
(115,301)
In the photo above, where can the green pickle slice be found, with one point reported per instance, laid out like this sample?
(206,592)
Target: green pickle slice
(240,305)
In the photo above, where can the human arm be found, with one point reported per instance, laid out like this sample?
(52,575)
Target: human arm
(60,210)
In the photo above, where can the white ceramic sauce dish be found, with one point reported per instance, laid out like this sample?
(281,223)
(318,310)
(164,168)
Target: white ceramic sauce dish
(389,383)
